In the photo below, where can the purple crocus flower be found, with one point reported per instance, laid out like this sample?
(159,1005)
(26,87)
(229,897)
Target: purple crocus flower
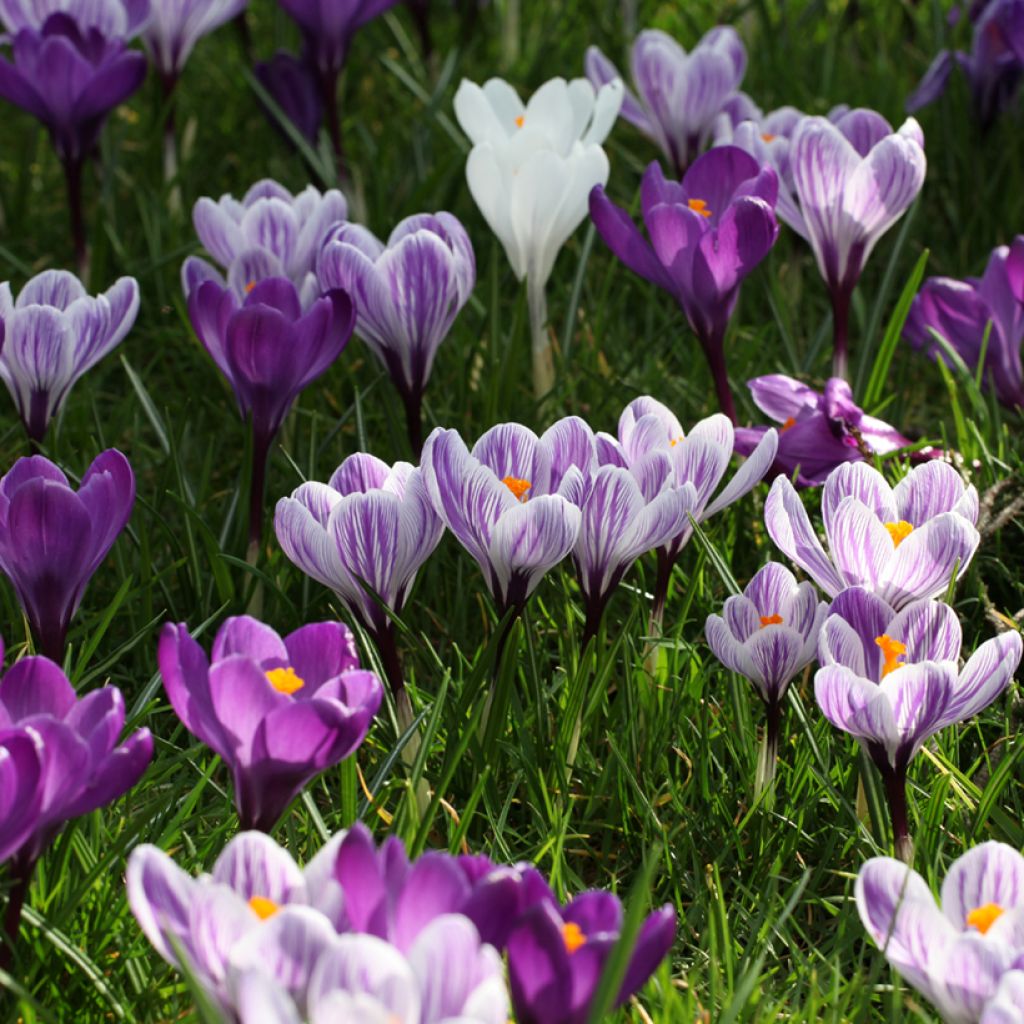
(707,233)
(768,634)
(293,87)
(53,333)
(52,539)
(270,233)
(371,526)
(904,543)
(175,27)
(269,349)
(854,178)
(957,953)
(678,94)
(407,295)
(820,430)
(960,313)
(892,679)
(21,786)
(277,711)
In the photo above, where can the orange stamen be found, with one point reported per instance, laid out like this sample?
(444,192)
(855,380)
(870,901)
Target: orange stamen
(984,917)
(262,907)
(517,487)
(788,425)
(767,137)
(284,680)
(899,531)
(892,651)
(250,287)
(676,440)
(771,620)
(699,206)
(572,935)
(520,120)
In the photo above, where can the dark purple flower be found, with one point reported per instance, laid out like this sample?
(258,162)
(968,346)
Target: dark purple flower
(960,312)
(707,233)
(293,87)
(21,787)
(277,711)
(52,539)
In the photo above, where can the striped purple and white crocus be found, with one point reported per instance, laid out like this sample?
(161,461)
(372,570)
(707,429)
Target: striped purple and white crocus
(893,679)
(959,953)
(904,543)
(768,634)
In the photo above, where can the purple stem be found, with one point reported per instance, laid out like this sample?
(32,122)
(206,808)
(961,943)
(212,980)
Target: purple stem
(391,662)
(329,92)
(73,180)
(661,582)
(21,877)
(257,487)
(714,352)
(51,639)
(37,418)
(413,402)
(841,296)
(896,794)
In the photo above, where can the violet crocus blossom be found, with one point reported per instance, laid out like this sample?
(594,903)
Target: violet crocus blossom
(53,539)
(959,951)
(819,429)
(292,85)
(269,349)
(904,543)
(707,233)
(175,26)
(278,712)
(53,333)
(1007,1005)
(21,786)
(768,634)
(960,312)
(678,94)
(854,178)
(269,233)
(407,295)
(892,679)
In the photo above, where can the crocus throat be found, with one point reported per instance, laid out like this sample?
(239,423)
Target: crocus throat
(985,916)
(699,206)
(788,425)
(262,907)
(516,486)
(771,620)
(767,137)
(250,288)
(284,680)
(899,531)
(572,936)
(892,651)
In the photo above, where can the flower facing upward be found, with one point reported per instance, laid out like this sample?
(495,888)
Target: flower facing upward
(177,25)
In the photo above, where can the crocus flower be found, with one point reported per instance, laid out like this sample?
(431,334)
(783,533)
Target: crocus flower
(768,634)
(957,952)
(277,711)
(52,538)
(293,87)
(819,430)
(505,502)
(269,349)
(960,313)
(1007,1005)
(21,787)
(892,679)
(530,171)
(904,543)
(371,526)
(53,333)
(707,233)
(854,178)
(175,27)
(407,295)
(270,233)
(120,19)
(678,94)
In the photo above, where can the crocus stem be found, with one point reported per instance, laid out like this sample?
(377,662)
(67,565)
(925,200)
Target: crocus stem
(73,180)
(540,341)
(242,27)
(499,654)
(768,756)
(510,36)
(257,487)
(413,401)
(329,92)
(420,12)
(840,331)
(592,623)
(37,418)
(661,581)
(21,879)
(714,352)
(51,638)
(896,794)
(391,662)
(169,83)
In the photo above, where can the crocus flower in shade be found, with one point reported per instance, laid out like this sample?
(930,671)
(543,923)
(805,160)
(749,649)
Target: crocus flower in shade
(175,26)
(293,87)
(53,333)
(957,952)
(678,94)
(120,19)
(530,171)
(768,634)
(707,233)
(904,543)
(854,178)
(21,787)
(270,233)
(499,501)
(371,526)
(699,459)
(1007,1005)
(960,313)
(277,711)
(407,295)
(819,429)
(269,349)
(52,538)
(892,679)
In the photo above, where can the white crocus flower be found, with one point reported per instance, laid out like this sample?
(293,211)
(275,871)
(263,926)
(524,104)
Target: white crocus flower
(531,171)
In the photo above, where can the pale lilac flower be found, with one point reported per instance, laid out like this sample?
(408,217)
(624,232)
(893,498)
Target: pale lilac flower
(114,19)
(1007,1006)
(177,25)
(904,543)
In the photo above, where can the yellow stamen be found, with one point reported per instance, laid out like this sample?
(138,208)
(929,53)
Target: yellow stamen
(771,620)
(984,917)
(767,137)
(572,935)
(520,120)
(675,441)
(262,907)
(284,680)
(516,486)
(788,425)
(899,531)
(892,651)
(699,206)
(250,287)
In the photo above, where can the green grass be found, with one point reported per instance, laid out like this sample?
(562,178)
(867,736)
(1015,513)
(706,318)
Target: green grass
(665,768)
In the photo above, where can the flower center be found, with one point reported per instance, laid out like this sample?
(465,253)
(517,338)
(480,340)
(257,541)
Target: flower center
(899,531)
(520,120)
(767,137)
(284,680)
(262,907)
(573,937)
(984,917)
(250,288)
(516,486)
(676,440)
(892,651)
(771,620)
(788,425)
(699,206)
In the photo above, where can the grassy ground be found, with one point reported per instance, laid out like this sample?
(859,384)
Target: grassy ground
(666,762)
